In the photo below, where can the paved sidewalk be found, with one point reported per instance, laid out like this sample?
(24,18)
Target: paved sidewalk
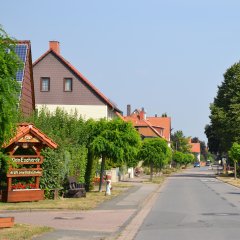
(107,221)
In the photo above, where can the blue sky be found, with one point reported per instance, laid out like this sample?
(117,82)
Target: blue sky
(166,56)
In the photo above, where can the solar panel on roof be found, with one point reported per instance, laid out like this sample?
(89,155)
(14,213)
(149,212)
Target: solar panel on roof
(21,51)
(19,75)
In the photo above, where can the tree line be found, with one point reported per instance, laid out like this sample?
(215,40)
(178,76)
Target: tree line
(223,131)
(87,147)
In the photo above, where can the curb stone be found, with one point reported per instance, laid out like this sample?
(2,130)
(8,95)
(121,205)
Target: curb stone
(130,228)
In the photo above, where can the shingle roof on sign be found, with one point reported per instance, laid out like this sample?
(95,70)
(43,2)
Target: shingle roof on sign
(25,128)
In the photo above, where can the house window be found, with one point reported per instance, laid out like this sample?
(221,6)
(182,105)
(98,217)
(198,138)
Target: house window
(67,85)
(45,84)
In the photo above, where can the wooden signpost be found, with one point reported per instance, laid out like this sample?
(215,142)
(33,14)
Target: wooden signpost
(28,139)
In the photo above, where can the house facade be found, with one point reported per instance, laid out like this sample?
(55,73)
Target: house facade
(195,149)
(150,127)
(164,123)
(25,77)
(59,84)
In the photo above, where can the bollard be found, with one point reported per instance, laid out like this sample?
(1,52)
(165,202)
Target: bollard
(108,187)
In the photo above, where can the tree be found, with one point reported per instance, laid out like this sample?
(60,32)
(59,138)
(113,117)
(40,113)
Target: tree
(155,153)
(213,140)
(180,142)
(93,128)
(9,93)
(118,141)
(182,158)
(178,157)
(188,158)
(225,113)
(234,153)
(9,87)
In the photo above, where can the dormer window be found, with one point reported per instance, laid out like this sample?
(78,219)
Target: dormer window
(67,84)
(45,84)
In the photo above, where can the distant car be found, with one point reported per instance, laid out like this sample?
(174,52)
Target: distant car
(196,164)
(208,163)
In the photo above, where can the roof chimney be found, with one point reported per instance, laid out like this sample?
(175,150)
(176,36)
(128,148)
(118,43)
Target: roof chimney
(55,46)
(142,114)
(128,110)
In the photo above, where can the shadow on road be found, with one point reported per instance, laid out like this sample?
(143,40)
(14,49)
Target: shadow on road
(236,193)
(194,175)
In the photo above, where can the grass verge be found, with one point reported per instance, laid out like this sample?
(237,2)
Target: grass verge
(93,199)
(230,180)
(158,180)
(165,173)
(22,232)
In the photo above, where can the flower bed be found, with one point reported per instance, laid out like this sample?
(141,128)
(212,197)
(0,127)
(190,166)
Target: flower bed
(96,180)
(27,189)
(20,185)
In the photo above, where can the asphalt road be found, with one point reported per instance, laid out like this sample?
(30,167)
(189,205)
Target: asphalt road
(194,205)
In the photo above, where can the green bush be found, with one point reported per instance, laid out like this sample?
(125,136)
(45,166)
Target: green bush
(53,170)
(146,170)
(70,158)
(78,163)
(167,171)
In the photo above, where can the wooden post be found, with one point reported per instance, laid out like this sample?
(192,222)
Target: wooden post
(9,184)
(151,171)
(101,173)
(37,182)
(235,169)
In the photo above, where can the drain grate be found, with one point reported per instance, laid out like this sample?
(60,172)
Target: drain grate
(68,218)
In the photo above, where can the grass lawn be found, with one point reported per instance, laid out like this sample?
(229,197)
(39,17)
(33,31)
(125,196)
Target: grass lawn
(91,201)
(22,232)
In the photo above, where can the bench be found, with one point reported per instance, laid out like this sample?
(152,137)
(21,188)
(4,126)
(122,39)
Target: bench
(75,190)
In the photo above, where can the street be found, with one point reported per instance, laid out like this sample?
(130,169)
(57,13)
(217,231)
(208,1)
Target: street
(194,205)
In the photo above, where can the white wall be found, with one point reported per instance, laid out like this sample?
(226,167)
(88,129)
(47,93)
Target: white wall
(86,111)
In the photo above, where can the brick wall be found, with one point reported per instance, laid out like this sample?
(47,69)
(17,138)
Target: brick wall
(52,67)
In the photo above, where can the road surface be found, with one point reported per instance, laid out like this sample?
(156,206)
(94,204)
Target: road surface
(194,205)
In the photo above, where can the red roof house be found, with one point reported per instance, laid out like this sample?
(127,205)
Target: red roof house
(150,126)
(195,148)
(163,122)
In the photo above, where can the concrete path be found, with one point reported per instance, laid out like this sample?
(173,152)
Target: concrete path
(107,221)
